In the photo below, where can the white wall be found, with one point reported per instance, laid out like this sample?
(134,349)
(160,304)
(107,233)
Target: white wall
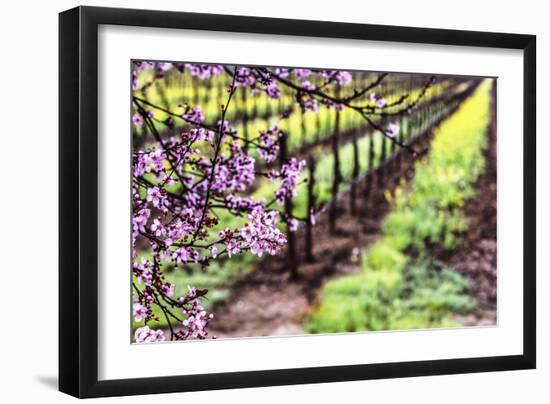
(28,340)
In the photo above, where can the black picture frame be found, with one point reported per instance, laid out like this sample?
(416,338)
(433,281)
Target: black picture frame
(78,201)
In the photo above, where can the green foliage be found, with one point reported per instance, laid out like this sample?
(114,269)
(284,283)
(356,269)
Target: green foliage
(419,295)
(383,256)
(393,290)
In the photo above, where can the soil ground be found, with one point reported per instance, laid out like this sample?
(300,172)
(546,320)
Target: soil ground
(477,257)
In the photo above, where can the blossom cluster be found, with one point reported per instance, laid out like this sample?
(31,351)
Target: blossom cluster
(145,334)
(379,101)
(197,318)
(202,71)
(269,143)
(289,174)
(261,232)
(180,183)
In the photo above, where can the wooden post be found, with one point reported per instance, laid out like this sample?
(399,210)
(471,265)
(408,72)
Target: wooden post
(162,94)
(393,147)
(401,152)
(254,106)
(195,83)
(310,209)
(425,127)
(328,121)
(292,259)
(244,100)
(355,173)
(270,107)
(209,86)
(382,161)
(393,151)
(336,173)
(318,125)
(187,86)
(370,163)
(303,144)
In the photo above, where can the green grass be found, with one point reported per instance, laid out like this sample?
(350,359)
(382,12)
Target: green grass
(400,296)
(399,287)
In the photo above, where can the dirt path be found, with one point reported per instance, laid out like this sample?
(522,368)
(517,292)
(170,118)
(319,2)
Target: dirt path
(477,257)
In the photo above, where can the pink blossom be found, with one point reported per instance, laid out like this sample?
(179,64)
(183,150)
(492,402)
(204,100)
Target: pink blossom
(312,218)
(204,71)
(146,335)
(196,322)
(155,196)
(168,289)
(164,66)
(302,73)
(282,72)
(381,102)
(137,120)
(194,115)
(139,220)
(269,146)
(273,91)
(157,228)
(392,130)
(156,160)
(289,174)
(261,233)
(182,255)
(140,165)
(140,311)
(214,251)
(308,85)
(343,77)
(340,76)
(244,77)
(233,247)
(143,271)
(309,104)
(292,224)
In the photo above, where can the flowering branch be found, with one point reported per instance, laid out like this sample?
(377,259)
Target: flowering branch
(182,184)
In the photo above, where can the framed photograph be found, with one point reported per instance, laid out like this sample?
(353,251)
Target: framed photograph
(251,201)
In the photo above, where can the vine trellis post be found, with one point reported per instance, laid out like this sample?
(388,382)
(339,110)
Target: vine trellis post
(311,202)
(244,100)
(292,258)
(336,172)
(355,172)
